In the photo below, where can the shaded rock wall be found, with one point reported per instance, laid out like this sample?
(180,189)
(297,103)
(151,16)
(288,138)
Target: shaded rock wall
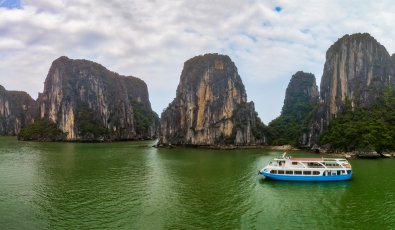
(17,110)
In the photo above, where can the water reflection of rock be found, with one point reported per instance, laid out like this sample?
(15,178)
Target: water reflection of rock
(91,184)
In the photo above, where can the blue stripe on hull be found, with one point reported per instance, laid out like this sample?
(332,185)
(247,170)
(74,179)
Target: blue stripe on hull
(306,178)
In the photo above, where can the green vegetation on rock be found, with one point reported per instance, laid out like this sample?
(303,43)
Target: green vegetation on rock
(87,124)
(364,128)
(41,130)
(241,117)
(300,105)
(260,128)
(143,115)
(285,130)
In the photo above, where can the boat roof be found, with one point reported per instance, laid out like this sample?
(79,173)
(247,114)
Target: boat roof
(307,159)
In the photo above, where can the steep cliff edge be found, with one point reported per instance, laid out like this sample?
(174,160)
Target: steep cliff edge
(17,110)
(89,102)
(300,103)
(357,68)
(210,107)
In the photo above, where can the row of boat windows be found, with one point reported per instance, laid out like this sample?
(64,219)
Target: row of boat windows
(298,172)
(315,164)
(331,164)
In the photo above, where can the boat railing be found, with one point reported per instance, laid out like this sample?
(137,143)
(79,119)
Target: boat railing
(329,167)
(316,166)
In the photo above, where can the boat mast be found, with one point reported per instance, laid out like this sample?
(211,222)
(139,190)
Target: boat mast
(285,153)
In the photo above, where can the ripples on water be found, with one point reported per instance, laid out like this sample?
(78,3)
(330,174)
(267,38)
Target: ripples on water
(124,186)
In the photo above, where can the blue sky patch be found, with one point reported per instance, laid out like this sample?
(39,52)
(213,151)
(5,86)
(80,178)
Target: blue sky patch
(278,9)
(253,38)
(11,4)
(266,24)
(190,30)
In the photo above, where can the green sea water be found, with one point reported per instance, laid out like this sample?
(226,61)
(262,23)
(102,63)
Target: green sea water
(125,186)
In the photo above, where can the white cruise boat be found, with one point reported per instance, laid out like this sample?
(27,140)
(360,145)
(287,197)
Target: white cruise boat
(307,169)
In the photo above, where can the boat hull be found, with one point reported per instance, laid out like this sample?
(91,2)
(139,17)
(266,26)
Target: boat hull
(306,178)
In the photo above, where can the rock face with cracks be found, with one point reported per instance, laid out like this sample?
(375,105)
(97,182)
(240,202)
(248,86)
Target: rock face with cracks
(210,107)
(357,68)
(17,110)
(89,102)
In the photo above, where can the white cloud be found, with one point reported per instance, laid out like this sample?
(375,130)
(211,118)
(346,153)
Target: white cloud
(152,39)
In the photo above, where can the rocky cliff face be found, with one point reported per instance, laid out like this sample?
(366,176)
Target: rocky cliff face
(357,67)
(301,95)
(17,110)
(87,102)
(301,100)
(210,107)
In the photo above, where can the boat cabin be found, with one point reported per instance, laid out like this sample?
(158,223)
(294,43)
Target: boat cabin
(307,169)
(309,166)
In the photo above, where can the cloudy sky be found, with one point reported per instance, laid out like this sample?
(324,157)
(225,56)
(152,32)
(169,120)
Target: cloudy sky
(269,41)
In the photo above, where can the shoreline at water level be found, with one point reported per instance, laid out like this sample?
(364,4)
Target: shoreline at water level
(228,147)
(360,153)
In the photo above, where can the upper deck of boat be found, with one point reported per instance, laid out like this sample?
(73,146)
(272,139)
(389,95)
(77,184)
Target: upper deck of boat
(307,159)
(310,159)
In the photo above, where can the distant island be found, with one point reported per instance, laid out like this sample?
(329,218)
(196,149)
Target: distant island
(83,101)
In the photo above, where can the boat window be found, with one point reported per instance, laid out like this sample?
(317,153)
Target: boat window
(298,172)
(316,173)
(294,163)
(274,171)
(289,172)
(280,171)
(306,172)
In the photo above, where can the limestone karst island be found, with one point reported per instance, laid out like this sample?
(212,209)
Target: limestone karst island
(351,112)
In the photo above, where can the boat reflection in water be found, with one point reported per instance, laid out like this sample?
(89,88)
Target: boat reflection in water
(307,169)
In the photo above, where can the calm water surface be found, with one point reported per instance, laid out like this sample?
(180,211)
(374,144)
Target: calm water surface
(124,186)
